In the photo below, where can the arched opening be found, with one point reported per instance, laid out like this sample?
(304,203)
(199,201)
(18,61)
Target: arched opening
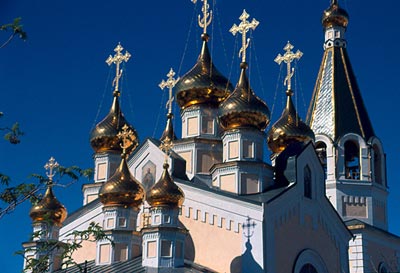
(308,268)
(307,182)
(377,163)
(382,268)
(320,148)
(352,160)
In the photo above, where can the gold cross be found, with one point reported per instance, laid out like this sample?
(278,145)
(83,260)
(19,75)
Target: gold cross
(126,137)
(170,83)
(118,59)
(51,165)
(288,58)
(243,28)
(207,16)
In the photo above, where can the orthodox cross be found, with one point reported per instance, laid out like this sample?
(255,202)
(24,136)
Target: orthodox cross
(243,28)
(248,228)
(117,60)
(207,16)
(51,165)
(170,83)
(288,58)
(125,135)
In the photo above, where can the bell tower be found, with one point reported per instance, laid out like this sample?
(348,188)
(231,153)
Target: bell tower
(351,154)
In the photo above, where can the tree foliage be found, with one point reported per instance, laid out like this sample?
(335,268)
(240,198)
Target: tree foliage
(16,29)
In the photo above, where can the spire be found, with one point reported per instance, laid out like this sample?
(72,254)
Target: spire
(122,188)
(49,208)
(203,84)
(117,60)
(289,128)
(168,134)
(337,107)
(243,108)
(207,15)
(243,28)
(103,137)
(288,58)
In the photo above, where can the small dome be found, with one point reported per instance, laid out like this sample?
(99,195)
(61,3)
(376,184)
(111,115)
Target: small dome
(203,84)
(122,188)
(288,129)
(335,16)
(48,209)
(103,137)
(243,108)
(165,192)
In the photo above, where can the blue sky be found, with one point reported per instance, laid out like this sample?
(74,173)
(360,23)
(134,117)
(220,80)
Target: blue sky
(58,86)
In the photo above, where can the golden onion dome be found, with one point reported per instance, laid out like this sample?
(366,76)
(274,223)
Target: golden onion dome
(103,137)
(165,192)
(288,129)
(335,16)
(48,209)
(243,108)
(122,188)
(203,84)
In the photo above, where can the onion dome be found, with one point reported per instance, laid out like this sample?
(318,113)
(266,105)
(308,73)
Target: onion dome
(335,16)
(48,209)
(122,188)
(203,84)
(243,108)
(288,129)
(165,192)
(168,133)
(103,137)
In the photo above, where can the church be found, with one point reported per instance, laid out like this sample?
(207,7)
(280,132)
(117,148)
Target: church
(209,201)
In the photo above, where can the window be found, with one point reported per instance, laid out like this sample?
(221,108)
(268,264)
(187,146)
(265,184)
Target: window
(193,126)
(352,160)
(207,126)
(249,183)
(308,268)
(377,165)
(320,148)
(151,249)
(382,268)
(233,149)
(248,149)
(156,219)
(167,218)
(110,222)
(121,252)
(187,156)
(166,247)
(307,182)
(122,222)
(104,253)
(101,171)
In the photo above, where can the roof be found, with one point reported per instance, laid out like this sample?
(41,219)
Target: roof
(356,226)
(337,107)
(81,211)
(131,266)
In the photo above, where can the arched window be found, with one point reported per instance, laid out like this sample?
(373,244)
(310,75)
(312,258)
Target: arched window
(320,148)
(382,268)
(352,160)
(308,268)
(377,162)
(307,182)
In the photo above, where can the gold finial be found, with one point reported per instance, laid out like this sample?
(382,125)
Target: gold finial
(170,83)
(51,165)
(126,137)
(207,16)
(117,60)
(243,28)
(288,58)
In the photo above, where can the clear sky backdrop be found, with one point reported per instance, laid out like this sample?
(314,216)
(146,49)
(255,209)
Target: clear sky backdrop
(58,86)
